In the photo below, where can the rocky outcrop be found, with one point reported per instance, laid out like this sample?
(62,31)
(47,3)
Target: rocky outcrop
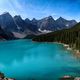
(6,35)
(19,28)
(2,77)
(7,23)
(50,24)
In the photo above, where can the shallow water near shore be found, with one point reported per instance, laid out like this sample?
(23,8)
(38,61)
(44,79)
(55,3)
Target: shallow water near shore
(27,60)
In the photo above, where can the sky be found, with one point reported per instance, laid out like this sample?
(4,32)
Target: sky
(68,9)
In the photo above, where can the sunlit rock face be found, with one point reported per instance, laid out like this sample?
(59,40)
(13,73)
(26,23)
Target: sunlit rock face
(19,35)
(44,31)
(65,24)
(49,24)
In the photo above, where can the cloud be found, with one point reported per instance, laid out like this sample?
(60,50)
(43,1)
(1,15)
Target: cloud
(40,9)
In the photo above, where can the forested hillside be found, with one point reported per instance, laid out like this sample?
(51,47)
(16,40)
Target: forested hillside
(68,36)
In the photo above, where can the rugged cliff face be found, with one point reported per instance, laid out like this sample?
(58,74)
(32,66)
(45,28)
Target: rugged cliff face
(6,35)
(7,23)
(50,24)
(19,28)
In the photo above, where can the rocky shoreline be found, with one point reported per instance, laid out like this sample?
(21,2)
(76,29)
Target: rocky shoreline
(76,52)
(2,77)
(69,78)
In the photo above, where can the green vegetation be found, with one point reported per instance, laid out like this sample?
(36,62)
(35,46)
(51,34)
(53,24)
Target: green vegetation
(67,36)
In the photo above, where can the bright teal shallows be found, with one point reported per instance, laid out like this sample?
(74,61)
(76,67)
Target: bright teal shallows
(27,60)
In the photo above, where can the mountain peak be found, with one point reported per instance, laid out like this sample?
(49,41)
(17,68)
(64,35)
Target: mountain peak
(74,21)
(61,18)
(18,17)
(34,19)
(7,23)
(27,20)
(48,18)
(6,13)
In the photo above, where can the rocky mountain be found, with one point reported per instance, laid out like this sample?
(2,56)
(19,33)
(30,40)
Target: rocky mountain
(69,36)
(50,24)
(32,27)
(47,23)
(25,25)
(7,23)
(6,35)
(21,28)
(20,23)
(65,24)
(17,26)
(34,21)
(27,20)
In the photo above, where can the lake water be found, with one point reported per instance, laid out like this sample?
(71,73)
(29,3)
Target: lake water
(27,60)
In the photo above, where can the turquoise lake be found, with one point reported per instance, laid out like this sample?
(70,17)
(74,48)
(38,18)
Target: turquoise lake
(27,60)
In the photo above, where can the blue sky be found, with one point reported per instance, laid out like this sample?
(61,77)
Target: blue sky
(69,9)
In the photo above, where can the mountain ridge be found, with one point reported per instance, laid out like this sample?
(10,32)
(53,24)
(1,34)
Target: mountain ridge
(25,27)
(70,37)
